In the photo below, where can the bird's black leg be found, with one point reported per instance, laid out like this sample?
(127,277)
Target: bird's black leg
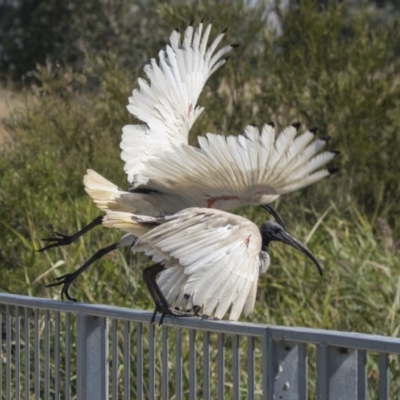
(67,279)
(149,277)
(63,240)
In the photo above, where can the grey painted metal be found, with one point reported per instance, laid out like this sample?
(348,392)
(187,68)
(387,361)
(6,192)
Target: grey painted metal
(152,362)
(27,370)
(206,366)
(17,354)
(322,372)
(384,376)
(127,360)
(341,356)
(164,363)
(378,343)
(361,375)
(339,374)
(8,352)
(114,373)
(303,371)
(37,354)
(139,361)
(221,367)
(178,364)
(192,365)
(57,360)
(92,358)
(250,368)
(236,367)
(266,364)
(67,376)
(287,370)
(1,356)
(46,344)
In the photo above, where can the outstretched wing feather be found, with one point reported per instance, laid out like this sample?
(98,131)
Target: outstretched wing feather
(167,103)
(242,167)
(215,251)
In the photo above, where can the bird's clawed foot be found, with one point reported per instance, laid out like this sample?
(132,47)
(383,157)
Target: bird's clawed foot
(169,311)
(59,240)
(66,281)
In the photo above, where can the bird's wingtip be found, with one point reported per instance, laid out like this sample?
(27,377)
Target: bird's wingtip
(333,170)
(296,125)
(326,139)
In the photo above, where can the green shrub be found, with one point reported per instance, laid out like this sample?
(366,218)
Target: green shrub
(326,69)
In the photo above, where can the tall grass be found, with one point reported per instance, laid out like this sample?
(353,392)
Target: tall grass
(327,69)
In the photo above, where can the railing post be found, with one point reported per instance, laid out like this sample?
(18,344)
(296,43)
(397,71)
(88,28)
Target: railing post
(92,358)
(285,369)
(340,373)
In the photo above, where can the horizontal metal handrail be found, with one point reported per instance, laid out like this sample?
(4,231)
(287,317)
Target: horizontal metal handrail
(360,341)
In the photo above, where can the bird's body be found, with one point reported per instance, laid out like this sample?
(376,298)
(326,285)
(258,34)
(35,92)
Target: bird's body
(167,175)
(212,259)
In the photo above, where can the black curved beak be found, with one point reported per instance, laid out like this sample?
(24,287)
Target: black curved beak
(277,217)
(284,237)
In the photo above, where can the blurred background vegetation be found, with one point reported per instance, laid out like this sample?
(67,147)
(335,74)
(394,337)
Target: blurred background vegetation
(67,69)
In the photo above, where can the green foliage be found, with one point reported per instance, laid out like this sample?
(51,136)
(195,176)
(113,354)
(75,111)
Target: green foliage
(329,69)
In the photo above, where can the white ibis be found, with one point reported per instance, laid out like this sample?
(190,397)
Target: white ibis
(206,258)
(167,174)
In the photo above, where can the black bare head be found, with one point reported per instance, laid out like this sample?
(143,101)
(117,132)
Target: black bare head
(271,231)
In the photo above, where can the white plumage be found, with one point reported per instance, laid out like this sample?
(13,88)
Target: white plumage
(167,175)
(212,258)
(168,104)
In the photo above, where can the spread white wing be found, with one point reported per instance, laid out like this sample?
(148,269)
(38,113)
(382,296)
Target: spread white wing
(168,103)
(252,168)
(212,260)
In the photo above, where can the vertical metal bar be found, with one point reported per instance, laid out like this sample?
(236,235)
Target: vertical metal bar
(67,356)
(1,353)
(384,376)
(57,365)
(46,355)
(164,363)
(192,365)
(178,364)
(127,360)
(267,365)
(115,359)
(92,358)
(139,362)
(322,372)
(303,371)
(361,375)
(221,367)
(236,367)
(17,354)
(152,362)
(206,365)
(250,368)
(8,353)
(37,354)
(27,369)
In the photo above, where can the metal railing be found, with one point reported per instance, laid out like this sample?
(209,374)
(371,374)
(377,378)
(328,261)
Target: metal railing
(58,350)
